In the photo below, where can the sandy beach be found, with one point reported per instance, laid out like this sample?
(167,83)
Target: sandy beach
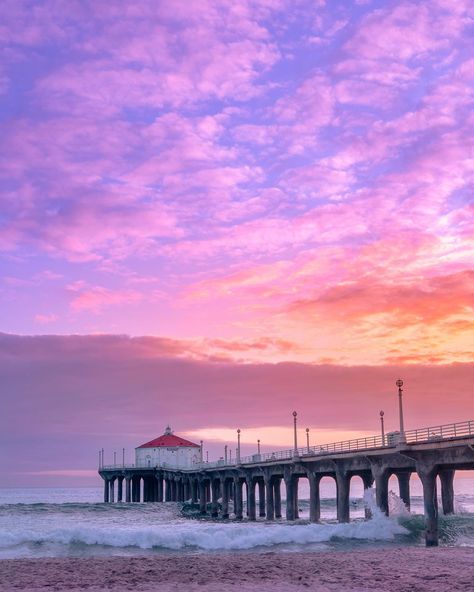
(400,570)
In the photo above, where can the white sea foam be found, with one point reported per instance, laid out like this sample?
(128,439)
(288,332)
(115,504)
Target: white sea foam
(208,536)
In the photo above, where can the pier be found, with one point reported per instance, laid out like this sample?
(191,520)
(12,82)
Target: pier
(429,452)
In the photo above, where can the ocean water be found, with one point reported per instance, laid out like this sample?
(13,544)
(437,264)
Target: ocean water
(74,522)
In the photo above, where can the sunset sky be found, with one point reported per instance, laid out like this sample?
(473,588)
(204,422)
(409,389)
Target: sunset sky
(213,212)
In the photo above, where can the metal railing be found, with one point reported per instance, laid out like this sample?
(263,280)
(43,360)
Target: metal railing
(442,432)
(439,433)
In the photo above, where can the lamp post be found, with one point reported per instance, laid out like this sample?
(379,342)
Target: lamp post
(294,434)
(100,461)
(382,427)
(230,455)
(123,457)
(238,446)
(258,446)
(307,439)
(115,458)
(402,438)
(207,456)
(201,443)
(225,453)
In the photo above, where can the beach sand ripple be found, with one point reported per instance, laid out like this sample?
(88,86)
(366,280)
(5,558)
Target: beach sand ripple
(387,570)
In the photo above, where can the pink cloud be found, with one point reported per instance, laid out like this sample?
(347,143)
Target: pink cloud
(404,31)
(96,298)
(45,319)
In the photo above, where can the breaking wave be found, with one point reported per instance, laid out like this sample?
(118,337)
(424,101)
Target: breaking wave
(209,536)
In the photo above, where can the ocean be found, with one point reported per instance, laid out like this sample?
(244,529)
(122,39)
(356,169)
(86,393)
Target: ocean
(73,522)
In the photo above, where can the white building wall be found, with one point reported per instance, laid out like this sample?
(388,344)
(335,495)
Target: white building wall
(161,456)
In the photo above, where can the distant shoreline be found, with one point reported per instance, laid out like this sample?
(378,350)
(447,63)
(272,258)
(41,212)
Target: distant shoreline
(400,569)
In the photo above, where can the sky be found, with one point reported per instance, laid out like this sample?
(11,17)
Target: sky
(212,212)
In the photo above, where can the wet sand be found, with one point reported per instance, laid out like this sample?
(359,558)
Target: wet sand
(397,570)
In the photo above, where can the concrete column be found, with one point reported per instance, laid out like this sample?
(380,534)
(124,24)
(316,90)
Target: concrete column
(171,488)
(215,490)
(119,489)
(368,480)
(296,510)
(447,490)
(127,490)
(225,499)
(246,497)
(149,489)
(174,490)
(314,498)
(238,502)
(251,504)
(269,499)
(428,479)
(195,491)
(343,487)
(138,487)
(167,490)
(106,491)
(277,497)
(261,498)
(159,488)
(111,490)
(290,498)
(202,497)
(179,490)
(404,488)
(381,489)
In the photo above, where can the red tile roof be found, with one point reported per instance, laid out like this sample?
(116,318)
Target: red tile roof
(168,440)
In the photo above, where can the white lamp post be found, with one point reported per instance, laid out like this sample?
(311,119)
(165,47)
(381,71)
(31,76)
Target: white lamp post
(402,438)
(295,437)
(382,427)
(238,446)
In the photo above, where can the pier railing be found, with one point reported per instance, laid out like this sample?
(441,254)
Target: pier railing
(439,433)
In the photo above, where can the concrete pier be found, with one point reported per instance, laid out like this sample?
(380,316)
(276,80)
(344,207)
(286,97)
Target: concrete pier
(290,498)
(251,502)
(277,497)
(447,490)
(261,498)
(343,484)
(238,499)
(404,488)
(218,484)
(430,502)
(269,498)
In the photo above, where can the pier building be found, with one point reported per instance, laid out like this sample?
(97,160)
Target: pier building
(168,450)
(433,453)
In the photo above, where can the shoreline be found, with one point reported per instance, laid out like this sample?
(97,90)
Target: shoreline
(406,569)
